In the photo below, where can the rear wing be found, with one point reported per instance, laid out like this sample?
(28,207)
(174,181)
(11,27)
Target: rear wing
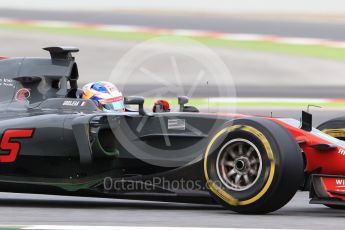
(52,77)
(61,52)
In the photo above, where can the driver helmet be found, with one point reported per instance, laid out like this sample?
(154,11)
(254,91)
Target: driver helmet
(106,95)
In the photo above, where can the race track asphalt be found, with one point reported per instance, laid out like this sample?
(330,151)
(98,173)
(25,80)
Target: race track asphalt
(230,24)
(27,209)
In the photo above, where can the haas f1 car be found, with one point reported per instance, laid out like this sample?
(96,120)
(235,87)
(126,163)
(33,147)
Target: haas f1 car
(54,142)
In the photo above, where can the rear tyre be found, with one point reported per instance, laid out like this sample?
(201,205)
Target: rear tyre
(253,166)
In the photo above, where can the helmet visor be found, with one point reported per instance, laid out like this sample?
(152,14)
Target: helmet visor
(115,106)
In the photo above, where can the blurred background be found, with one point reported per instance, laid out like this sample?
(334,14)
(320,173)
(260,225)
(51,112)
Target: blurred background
(258,57)
(281,55)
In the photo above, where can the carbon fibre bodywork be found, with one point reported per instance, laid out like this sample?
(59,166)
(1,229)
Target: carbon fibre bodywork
(73,150)
(53,142)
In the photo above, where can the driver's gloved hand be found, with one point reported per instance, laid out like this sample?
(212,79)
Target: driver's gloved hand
(161,106)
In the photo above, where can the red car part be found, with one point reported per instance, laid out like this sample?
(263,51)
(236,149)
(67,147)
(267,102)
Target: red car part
(328,189)
(325,160)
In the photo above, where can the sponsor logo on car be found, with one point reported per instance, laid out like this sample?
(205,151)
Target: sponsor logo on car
(341,152)
(71,103)
(177,124)
(6,82)
(22,94)
(340,183)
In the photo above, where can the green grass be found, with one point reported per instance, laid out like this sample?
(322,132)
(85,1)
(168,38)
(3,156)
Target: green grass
(305,50)
(203,102)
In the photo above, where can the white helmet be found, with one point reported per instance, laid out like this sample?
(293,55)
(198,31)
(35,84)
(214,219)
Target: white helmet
(106,94)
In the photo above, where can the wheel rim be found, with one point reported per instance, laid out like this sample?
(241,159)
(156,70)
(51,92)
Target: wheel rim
(239,164)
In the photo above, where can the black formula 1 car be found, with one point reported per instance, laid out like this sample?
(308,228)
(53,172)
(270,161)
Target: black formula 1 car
(53,142)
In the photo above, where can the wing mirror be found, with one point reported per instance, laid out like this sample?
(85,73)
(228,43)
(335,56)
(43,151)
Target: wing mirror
(136,100)
(307,121)
(182,100)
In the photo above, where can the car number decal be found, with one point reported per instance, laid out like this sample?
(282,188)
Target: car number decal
(12,148)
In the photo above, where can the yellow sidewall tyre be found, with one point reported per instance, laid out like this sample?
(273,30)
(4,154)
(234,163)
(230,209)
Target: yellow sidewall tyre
(334,128)
(268,185)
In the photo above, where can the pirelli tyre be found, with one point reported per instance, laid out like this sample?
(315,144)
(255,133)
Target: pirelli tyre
(253,166)
(334,128)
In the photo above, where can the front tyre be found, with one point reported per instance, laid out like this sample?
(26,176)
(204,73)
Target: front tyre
(253,166)
(334,128)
